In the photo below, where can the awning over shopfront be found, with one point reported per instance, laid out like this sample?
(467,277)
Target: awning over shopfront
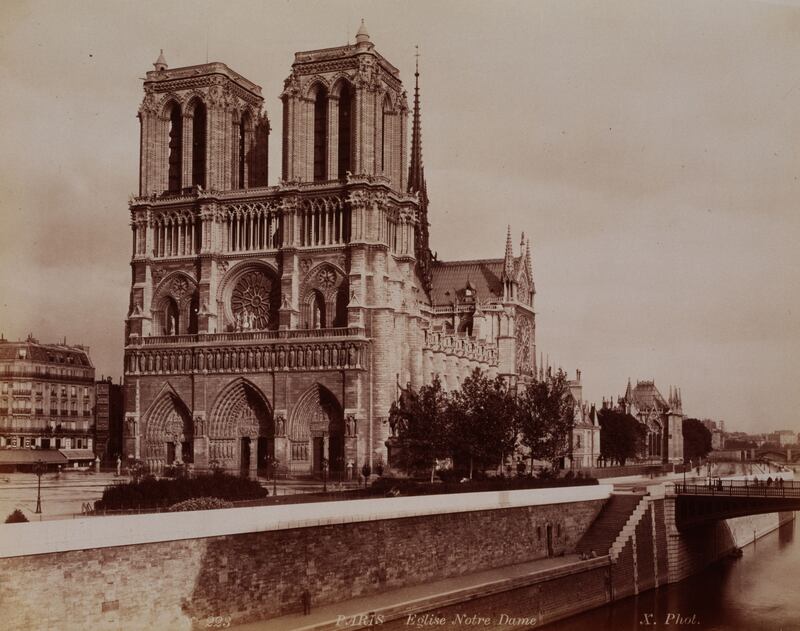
(31,456)
(26,459)
(78,455)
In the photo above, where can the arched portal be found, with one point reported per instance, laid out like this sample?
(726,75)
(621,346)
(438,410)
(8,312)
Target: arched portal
(168,433)
(316,432)
(242,430)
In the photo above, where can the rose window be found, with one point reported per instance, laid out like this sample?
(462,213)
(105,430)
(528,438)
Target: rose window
(326,279)
(251,303)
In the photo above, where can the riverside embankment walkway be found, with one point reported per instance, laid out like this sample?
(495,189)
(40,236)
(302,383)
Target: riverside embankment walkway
(410,601)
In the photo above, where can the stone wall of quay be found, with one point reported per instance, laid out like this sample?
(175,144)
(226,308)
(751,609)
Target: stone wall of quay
(269,556)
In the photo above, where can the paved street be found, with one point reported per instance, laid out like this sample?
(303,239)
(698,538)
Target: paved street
(63,497)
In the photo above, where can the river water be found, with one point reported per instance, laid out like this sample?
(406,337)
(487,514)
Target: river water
(760,590)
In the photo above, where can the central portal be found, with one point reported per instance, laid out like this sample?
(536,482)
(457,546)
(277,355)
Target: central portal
(242,431)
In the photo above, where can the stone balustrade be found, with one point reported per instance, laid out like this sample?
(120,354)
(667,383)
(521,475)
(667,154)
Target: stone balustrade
(247,336)
(461,345)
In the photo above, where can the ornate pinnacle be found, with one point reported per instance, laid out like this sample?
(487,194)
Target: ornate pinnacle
(508,261)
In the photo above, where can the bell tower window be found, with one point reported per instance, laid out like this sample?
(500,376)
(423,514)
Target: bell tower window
(345,130)
(242,153)
(199,145)
(175,149)
(320,135)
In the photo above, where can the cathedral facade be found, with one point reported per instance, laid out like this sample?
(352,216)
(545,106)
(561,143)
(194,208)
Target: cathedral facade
(275,324)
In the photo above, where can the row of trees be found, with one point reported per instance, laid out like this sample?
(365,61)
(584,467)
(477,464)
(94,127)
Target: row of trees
(482,423)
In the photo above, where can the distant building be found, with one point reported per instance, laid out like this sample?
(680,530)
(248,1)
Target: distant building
(585,439)
(783,437)
(46,396)
(662,418)
(709,424)
(717,439)
(109,412)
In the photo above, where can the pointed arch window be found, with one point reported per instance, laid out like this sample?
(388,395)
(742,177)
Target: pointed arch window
(175,149)
(199,145)
(172,317)
(315,310)
(342,298)
(386,133)
(321,135)
(345,130)
(245,159)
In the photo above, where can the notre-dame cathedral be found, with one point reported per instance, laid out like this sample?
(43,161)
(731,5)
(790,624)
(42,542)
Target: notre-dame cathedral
(277,323)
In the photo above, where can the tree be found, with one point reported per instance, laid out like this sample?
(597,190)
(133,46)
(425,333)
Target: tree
(696,439)
(17,517)
(621,436)
(545,415)
(419,419)
(482,421)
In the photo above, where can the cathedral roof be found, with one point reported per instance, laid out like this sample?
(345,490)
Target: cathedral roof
(645,396)
(450,279)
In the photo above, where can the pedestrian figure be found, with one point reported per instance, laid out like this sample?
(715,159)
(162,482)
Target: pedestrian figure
(769,481)
(306,598)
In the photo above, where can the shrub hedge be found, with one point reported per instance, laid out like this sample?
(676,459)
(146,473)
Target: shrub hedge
(17,517)
(200,503)
(151,493)
(402,486)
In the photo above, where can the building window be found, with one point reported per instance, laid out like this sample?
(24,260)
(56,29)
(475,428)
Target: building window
(242,157)
(345,130)
(321,135)
(175,149)
(199,145)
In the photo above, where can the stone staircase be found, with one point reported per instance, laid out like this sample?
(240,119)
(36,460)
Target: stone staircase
(610,523)
(628,529)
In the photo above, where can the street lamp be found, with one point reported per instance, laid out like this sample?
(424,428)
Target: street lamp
(274,464)
(39,468)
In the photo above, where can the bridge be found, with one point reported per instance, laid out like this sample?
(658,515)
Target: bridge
(698,504)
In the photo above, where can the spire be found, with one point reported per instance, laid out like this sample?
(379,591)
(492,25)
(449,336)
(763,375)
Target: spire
(629,391)
(362,36)
(528,260)
(416,172)
(160,63)
(508,260)
(416,184)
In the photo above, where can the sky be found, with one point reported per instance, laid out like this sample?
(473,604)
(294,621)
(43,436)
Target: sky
(649,149)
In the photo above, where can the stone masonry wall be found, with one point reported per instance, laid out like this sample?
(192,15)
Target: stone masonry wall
(178,584)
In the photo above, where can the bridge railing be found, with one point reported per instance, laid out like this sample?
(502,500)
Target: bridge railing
(741,488)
